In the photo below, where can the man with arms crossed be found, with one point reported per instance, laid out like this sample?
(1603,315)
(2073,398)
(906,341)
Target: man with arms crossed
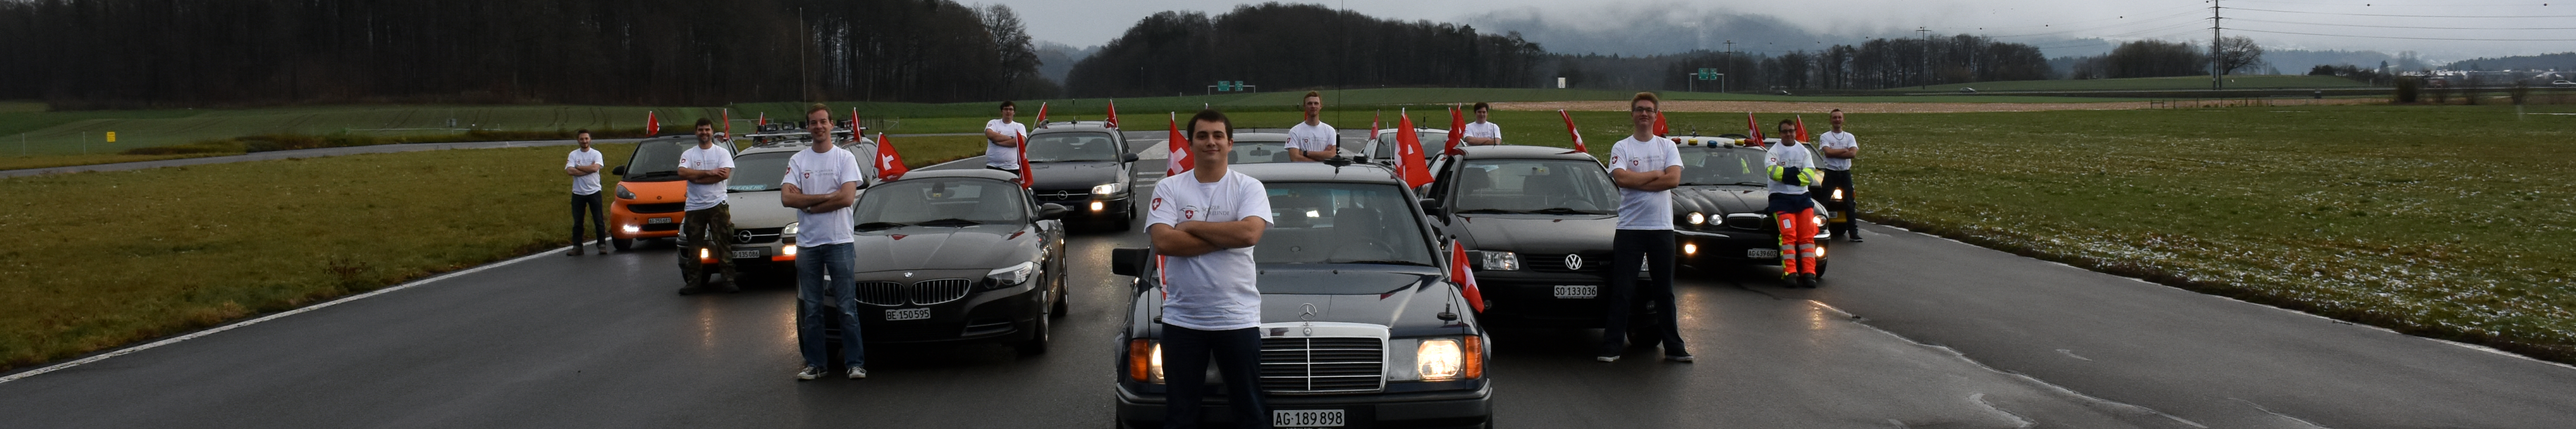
(583,165)
(1840,147)
(822,184)
(1312,140)
(1646,168)
(1483,132)
(708,226)
(1206,222)
(1792,171)
(1002,140)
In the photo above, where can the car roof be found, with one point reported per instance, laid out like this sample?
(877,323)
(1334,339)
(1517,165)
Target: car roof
(1317,172)
(1523,152)
(1072,126)
(789,145)
(1262,137)
(1415,129)
(980,173)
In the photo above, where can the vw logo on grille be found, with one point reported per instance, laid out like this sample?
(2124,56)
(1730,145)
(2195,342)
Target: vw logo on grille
(741,236)
(1573,262)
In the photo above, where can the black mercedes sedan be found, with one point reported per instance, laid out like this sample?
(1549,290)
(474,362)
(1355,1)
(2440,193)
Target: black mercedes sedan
(1720,211)
(1360,327)
(957,255)
(1538,223)
(1087,168)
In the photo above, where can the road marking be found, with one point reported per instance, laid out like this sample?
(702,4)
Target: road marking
(1963,357)
(194,335)
(2019,422)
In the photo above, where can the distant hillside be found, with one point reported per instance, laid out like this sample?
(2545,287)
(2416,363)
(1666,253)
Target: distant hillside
(2557,61)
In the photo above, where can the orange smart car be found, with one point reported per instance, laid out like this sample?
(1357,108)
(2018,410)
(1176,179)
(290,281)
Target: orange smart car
(650,194)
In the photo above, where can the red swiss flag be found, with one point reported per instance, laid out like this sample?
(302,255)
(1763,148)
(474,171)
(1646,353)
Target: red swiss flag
(1570,132)
(1409,153)
(1180,160)
(889,164)
(1457,130)
(1463,277)
(652,124)
(1113,113)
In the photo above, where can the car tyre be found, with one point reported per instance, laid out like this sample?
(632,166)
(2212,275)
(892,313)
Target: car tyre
(1061,304)
(622,243)
(1043,328)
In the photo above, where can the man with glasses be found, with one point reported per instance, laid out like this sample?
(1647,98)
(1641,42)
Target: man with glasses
(1646,168)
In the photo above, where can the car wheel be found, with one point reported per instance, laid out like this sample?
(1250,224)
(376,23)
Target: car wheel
(1062,304)
(1037,342)
(622,243)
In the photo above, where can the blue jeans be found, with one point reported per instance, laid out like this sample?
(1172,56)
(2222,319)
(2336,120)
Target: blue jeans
(1238,359)
(597,216)
(812,262)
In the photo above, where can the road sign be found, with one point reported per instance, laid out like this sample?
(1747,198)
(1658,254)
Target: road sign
(111,137)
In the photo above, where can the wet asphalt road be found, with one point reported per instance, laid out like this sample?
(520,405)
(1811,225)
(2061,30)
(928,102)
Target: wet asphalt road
(1908,331)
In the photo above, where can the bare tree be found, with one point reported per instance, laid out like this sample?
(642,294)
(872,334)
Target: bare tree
(2238,53)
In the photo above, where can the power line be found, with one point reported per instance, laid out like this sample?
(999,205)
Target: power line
(2412,38)
(2194,21)
(2411,16)
(2377,4)
(2401,26)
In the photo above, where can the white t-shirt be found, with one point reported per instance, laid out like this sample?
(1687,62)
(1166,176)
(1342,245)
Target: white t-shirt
(1784,155)
(1484,129)
(1214,291)
(702,197)
(1837,140)
(823,173)
(587,184)
(1318,138)
(1641,209)
(1005,157)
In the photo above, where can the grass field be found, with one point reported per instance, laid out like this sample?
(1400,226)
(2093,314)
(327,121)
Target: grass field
(2147,83)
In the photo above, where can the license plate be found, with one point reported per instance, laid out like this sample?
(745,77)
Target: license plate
(1761,253)
(908,314)
(1578,291)
(1307,418)
(746,254)
(658,220)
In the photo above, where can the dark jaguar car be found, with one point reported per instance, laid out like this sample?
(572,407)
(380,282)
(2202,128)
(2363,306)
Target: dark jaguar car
(1361,327)
(1719,211)
(1538,222)
(958,255)
(1086,167)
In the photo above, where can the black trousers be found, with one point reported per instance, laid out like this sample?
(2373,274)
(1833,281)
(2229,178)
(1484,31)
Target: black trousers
(598,217)
(1238,359)
(1841,179)
(1628,248)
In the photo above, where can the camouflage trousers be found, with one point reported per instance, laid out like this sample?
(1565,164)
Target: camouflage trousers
(707,233)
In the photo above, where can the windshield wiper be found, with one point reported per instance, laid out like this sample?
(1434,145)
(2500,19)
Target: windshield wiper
(1381,262)
(948,222)
(1565,210)
(1491,211)
(872,226)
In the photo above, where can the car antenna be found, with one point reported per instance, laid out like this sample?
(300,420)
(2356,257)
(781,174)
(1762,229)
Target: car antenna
(1445,305)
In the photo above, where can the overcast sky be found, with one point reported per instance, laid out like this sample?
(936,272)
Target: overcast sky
(2045,22)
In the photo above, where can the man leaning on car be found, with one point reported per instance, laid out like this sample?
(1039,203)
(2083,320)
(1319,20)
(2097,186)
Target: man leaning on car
(1206,222)
(823,243)
(708,226)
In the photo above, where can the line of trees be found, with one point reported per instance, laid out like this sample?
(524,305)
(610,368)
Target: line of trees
(1874,64)
(148,53)
(1282,47)
(2158,58)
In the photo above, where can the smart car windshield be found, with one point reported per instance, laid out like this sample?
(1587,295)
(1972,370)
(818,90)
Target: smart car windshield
(1335,223)
(1061,147)
(943,201)
(1723,166)
(658,158)
(1534,186)
(758,172)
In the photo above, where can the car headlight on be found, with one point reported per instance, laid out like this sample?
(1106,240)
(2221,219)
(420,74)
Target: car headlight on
(1011,276)
(1697,218)
(1838,194)
(1820,221)
(1449,359)
(624,194)
(1501,261)
(1107,189)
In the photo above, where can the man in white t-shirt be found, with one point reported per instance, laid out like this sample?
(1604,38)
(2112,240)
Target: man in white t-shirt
(1483,132)
(583,165)
(1646,168)
(1205,223)
(1792,171)
(821,184)
(707,229)
(1312,140)
(1839,148)
(1002,140)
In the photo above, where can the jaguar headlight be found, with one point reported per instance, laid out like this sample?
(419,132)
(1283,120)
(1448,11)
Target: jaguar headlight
(1838,194)
(1010,276)
(1697,218)
(1501,261)
(624,194)
(1107,189)
(1820,221)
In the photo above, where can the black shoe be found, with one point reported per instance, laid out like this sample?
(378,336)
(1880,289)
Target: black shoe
(691,290)
(1854,237)
(1808,280)
(1683,358)
(576,251)
(603,246)
(729,287)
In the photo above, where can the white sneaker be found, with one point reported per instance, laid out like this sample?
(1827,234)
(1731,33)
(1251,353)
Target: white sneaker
(1606,358)
(858,373)
(809,373)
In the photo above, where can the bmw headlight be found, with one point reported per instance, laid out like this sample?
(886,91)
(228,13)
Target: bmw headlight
(624,194)
(1697,218)
(1501,261)
(1107,189)
(1010,276)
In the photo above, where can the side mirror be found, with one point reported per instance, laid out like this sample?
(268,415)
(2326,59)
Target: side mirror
(1129,261)
(1131,157)
(1431,206)
(1051,211)
(621,171)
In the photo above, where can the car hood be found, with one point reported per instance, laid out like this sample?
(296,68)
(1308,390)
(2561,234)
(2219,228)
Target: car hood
(1720,200)
(945,248)
(1401,300)
(758,210)
(658,191)
(1072,174)
(1536,233)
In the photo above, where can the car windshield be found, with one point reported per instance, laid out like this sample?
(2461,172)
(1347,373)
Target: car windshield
(1258,152)
(1723,166)
(1061,147)
(1430,139)
(657,158)
(941,201)
(758,172)
(1332,223)
(1534,186)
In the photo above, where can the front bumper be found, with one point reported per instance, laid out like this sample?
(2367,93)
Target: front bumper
(625,223)
(1008,314)
(1461,408)
(1090,206)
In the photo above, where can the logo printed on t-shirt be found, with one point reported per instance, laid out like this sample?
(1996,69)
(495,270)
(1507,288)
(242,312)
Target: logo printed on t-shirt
(1158,203)
(1189,212)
